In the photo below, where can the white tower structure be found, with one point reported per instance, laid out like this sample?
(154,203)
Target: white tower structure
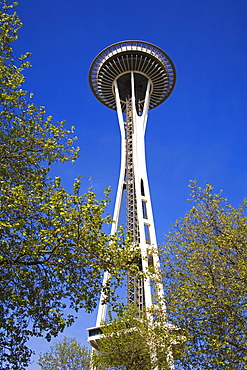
(132,77)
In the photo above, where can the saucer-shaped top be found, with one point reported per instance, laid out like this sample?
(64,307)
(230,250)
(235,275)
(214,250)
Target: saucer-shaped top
(147,61)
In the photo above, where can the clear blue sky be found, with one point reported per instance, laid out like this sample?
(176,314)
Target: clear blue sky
(199,133)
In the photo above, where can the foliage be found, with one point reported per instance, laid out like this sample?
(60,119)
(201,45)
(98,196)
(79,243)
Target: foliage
(205,275)
(52,249)
(66,354)
(134,341)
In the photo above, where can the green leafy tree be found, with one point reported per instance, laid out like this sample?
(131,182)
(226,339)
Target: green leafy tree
(52,249)
(205,275)
(135,341)
(66,354)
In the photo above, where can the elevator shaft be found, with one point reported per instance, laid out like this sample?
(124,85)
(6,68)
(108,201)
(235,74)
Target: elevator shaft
(135,286)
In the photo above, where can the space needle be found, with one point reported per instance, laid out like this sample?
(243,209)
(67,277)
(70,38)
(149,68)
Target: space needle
(133,77)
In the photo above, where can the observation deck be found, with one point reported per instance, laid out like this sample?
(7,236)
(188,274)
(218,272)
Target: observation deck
(116,62)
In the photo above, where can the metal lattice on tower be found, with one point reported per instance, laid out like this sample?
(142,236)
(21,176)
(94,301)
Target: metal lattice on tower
(133,77)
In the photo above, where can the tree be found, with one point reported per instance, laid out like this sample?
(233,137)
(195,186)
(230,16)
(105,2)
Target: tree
(66,354)
(205,275)
(52,249)
(135,341)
